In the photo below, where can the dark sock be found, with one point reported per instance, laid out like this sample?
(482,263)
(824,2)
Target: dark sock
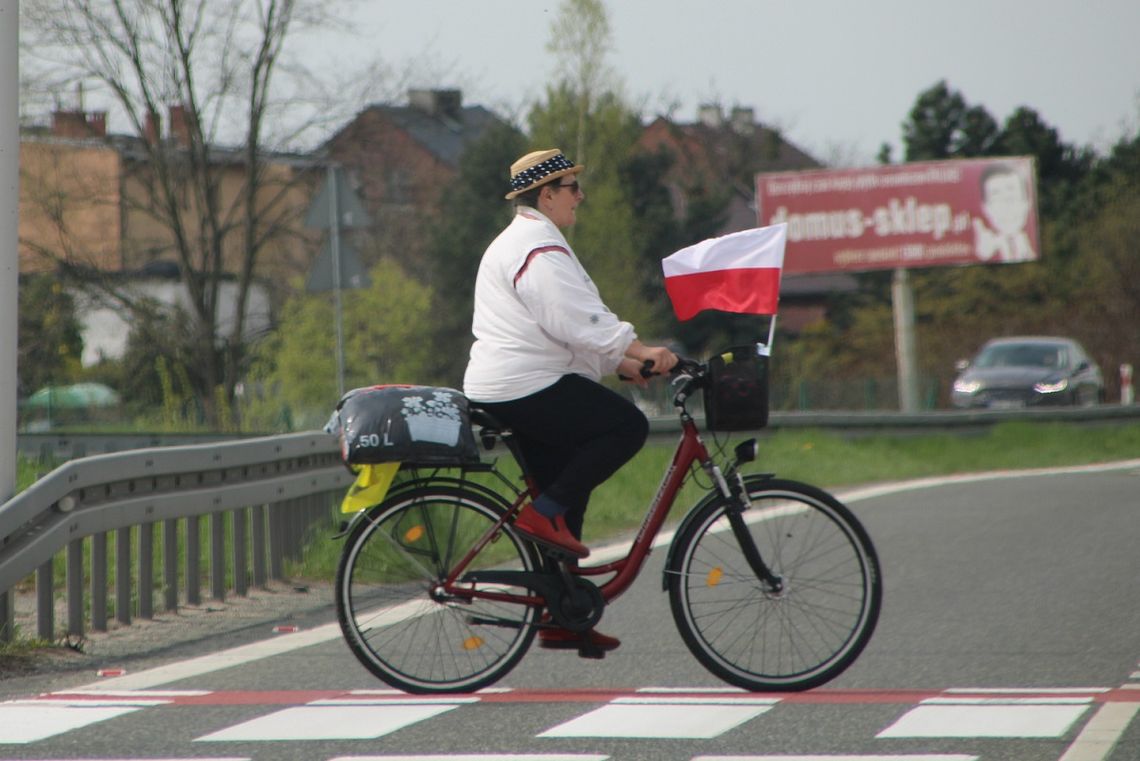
(548,507)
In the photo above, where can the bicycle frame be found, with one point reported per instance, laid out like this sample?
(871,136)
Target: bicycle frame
(690,449)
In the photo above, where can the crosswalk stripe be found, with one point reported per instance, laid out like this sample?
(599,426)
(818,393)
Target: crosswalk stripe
(666,721)
(989,720)
(352,722)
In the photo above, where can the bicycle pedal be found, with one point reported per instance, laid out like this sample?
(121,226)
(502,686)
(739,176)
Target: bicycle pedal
(591,651)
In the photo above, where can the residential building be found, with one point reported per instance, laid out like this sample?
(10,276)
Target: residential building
(724,152)
(401,157)
(89,206)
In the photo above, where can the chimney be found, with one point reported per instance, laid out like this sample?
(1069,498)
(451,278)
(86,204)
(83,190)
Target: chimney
(180,122)
(709,115)
(437,103)
(743,121)
(78,125)
(97,123)
(152,128)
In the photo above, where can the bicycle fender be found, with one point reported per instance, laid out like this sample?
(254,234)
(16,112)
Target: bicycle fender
(697,509)
(415,483)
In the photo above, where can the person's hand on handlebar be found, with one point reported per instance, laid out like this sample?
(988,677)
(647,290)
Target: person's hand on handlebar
(643,361)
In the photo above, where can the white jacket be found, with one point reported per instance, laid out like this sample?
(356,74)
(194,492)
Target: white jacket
(538,316)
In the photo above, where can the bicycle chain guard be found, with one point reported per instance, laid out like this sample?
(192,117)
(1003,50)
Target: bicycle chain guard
(578,606)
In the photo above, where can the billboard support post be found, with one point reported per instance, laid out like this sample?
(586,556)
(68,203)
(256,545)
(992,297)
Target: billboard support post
(902,295)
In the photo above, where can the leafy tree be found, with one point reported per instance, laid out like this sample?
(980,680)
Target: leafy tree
(220,62)
(50,343)
(476,212)
(388,339)
(583,109)
(580,39)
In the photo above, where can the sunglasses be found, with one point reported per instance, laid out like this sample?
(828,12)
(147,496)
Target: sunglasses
(573,186)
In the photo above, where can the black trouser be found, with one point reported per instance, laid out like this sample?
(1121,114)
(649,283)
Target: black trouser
(573,436)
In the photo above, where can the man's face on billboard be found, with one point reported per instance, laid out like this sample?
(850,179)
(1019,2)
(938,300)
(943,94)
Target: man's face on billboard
(1005,203)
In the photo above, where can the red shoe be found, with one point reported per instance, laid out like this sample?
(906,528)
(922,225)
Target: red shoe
(564,639)
(550,532)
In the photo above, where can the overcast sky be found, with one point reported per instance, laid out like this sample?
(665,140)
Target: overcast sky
(838,76)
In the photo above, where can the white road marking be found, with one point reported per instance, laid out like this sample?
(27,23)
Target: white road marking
(905,757)
(1102,732)
(986,720)
(28,721)
(480,757)
(662,718)
(329,723)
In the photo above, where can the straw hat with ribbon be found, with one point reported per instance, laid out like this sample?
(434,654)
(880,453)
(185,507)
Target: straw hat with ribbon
(539,168)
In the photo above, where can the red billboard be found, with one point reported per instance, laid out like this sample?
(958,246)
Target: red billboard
(924,214)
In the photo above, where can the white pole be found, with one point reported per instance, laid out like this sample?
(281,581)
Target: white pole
(905,354)
(9,258)
(9,265)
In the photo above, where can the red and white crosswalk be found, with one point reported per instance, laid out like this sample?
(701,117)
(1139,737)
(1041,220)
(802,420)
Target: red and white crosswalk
(649,713)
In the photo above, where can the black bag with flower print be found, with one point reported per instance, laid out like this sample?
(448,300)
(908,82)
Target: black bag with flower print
(414,425)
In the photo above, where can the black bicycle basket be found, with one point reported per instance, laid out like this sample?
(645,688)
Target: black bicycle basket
(736,397)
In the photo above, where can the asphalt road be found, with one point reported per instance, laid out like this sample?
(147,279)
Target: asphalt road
(1010,631)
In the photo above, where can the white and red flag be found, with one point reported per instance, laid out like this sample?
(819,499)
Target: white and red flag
(738,272)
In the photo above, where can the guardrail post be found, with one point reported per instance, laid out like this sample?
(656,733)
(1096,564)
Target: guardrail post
(75,587)
(170,565)
(193,561)
(277,541)
(146,571)
(258,534)
(123,575)
(7,616)
(240,553)
(99,582)
(45,601)
(218,556)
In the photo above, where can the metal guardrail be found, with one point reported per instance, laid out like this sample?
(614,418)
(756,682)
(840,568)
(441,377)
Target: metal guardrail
(266,492)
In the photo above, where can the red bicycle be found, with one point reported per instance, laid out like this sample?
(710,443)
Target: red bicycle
(774,585)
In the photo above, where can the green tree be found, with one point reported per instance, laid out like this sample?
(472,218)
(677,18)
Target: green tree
(476,212)
(388,339)
(583,112)
(49,340)
(223,64)
(580,40)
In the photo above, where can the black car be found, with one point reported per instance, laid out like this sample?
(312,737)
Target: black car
(1024,371)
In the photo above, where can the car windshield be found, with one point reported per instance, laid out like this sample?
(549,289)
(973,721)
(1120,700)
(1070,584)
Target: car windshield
(1022,355)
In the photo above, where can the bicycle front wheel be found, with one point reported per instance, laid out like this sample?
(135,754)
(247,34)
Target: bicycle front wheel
(393,612)
(796,634)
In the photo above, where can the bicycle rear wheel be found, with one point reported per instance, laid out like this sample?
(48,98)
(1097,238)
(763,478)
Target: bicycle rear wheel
(392,611)
(760,638)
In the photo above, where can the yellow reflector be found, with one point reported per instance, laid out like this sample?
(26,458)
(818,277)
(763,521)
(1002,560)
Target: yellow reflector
(714,577)
(472,643)
(372,482)
(413,534)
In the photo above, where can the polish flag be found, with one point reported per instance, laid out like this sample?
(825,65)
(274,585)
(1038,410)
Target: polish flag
(739,272)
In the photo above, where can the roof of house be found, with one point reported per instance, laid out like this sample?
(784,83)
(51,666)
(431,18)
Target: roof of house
(437,120)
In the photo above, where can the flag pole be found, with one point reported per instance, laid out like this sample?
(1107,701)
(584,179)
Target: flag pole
(766,349)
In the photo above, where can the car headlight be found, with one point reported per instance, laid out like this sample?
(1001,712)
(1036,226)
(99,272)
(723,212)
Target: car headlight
(966,386)
(1051,387)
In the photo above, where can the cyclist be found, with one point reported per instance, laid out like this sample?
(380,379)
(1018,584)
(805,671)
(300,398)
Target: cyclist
(543,341)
